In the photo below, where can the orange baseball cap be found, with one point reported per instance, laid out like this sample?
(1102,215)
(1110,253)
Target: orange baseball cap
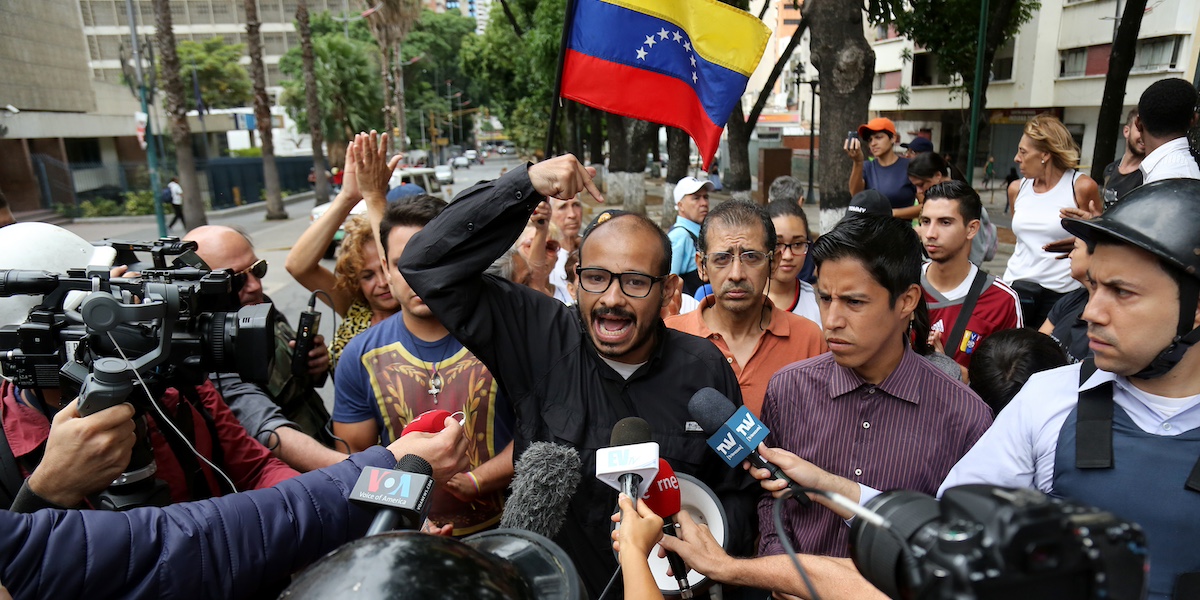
(877,124)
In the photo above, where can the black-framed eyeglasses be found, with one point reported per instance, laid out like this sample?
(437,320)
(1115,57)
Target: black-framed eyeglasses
(595,280)
(258,269)
(750,258)
(797,248)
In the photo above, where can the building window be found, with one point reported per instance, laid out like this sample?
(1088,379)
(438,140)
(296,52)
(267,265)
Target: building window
(926,71)
(888,81)
(82,151)
(1072,63)
(1002,63)
(1156,54)
(1097,59)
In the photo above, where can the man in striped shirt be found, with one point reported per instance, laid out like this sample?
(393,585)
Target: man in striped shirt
(949,220)
(869,415)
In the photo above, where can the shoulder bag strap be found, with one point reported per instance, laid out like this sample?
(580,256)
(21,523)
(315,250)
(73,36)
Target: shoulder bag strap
(964,315)
(1094,423)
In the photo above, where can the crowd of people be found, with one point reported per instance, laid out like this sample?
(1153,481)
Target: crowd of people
(880,355)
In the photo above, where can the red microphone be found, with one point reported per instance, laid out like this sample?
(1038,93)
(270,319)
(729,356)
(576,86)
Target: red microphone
(663,499)
(430,421)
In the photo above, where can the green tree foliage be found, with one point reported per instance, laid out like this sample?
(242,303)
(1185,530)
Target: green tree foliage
(224,82)
(437,41)
(347,84)
(323,23)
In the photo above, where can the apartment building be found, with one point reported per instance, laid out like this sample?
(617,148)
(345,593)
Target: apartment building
(1057,63)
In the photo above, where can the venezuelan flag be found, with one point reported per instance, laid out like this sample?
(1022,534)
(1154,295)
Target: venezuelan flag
(682,63)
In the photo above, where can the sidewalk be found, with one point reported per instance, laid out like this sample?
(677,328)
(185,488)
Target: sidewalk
(145,227)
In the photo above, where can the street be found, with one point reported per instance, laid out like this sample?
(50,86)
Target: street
(273,240)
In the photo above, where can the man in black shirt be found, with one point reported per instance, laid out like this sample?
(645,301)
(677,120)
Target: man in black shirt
(573,372)
(1123,175)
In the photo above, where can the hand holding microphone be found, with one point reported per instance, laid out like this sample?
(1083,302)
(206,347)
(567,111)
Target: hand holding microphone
(630,463)
(444,447)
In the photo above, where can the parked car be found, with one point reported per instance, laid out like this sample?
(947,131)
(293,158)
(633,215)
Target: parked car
(424,177)
(461,162)
(444,174)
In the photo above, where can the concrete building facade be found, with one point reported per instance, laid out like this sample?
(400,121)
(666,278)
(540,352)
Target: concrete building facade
(1057,63)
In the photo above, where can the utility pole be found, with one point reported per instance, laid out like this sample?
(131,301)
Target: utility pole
(151,152)
(975,99)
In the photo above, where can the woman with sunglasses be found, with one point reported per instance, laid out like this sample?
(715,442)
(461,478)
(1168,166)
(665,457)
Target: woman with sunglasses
(786,290)
(357,286)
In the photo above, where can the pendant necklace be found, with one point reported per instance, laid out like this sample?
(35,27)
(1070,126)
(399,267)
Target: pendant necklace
(435,377)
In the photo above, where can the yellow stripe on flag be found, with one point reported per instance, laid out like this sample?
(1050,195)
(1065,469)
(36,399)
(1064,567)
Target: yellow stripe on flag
(720,33)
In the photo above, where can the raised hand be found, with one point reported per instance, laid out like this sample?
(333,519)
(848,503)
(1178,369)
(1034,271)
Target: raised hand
(563,177)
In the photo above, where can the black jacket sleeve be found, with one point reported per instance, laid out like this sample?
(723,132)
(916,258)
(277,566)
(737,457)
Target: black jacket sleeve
(445,263)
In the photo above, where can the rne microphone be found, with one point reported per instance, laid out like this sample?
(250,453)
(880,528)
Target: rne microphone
(544,481)
(430,421)
(663,499)
(630,462)
(402,495)
(735,433)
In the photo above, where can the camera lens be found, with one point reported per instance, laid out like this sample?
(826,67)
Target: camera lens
(879,554)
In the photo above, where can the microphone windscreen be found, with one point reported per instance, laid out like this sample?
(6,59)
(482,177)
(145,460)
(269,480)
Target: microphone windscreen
(629,431)
(430,421)
(411,463)
(711,409)
(544,481)
(663,495)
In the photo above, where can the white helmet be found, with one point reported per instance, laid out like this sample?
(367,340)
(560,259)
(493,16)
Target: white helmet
(43,247)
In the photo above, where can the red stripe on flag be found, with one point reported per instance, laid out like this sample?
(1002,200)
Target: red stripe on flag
(640,94)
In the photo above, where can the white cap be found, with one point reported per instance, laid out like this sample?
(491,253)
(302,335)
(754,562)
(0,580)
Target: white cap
(42,247)
(689,185)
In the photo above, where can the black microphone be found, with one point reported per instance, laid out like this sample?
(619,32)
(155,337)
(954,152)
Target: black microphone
(630,462)
(544,481)
(17,282)
(402,494)
(735,433)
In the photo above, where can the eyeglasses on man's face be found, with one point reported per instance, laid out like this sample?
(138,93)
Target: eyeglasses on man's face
(595,280)
(258,270)
(750,258)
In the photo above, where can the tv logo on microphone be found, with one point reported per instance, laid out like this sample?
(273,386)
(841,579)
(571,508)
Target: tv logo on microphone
(738,437)
(398,489)
(663,484)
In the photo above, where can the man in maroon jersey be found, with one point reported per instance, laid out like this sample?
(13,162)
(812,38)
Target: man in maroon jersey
(949,220)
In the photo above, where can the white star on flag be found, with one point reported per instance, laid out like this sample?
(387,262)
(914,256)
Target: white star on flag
(641,54)
(650,41)
(693,77)
(693,61)
(663,33)
(678,37)
(687,46)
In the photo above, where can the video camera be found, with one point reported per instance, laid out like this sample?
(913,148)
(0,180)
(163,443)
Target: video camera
(989,542)
(169,326)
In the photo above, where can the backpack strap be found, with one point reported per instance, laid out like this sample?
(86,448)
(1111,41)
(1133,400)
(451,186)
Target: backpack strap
(964,315)
(1094,423)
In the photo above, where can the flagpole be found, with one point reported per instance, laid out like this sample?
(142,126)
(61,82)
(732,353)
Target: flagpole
(568,21)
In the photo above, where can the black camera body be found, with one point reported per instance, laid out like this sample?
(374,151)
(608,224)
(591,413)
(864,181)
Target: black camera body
(187,323)
(989,542)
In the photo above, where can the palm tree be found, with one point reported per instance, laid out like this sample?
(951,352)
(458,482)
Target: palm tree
(262,113)
(181,134)
(312,101)
(390,23)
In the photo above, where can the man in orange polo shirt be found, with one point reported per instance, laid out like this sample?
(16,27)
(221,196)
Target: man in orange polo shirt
(736,253)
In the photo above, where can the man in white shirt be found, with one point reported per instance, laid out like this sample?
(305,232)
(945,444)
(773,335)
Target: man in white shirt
(176,202)
(1166,111)
(1123,432)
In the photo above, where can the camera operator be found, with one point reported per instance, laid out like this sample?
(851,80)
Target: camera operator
(1120,431)
(44,464)
(286,415)
(231,547)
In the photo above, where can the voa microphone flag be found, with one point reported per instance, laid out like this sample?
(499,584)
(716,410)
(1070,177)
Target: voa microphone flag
(682,63)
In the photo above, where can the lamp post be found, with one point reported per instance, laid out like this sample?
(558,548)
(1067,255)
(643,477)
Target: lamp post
(812,122)
(151,152)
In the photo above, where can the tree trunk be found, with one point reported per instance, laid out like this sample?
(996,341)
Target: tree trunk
(1112,102)
(679,151)
(846,64)
(181,134)
(313,104)
(574,143)
(627,163)
(385,76)
(400,143)
(595,141)
(1000,13)
(737,178)
(262,113)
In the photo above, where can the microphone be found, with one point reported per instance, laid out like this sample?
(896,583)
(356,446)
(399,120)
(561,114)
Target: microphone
(663,499)
(430,421)
(402,494)
(735,433)
(16,282)
(544,481)
(630,462)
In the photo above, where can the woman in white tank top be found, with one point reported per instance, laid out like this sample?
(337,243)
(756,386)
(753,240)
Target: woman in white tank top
(1048,159)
